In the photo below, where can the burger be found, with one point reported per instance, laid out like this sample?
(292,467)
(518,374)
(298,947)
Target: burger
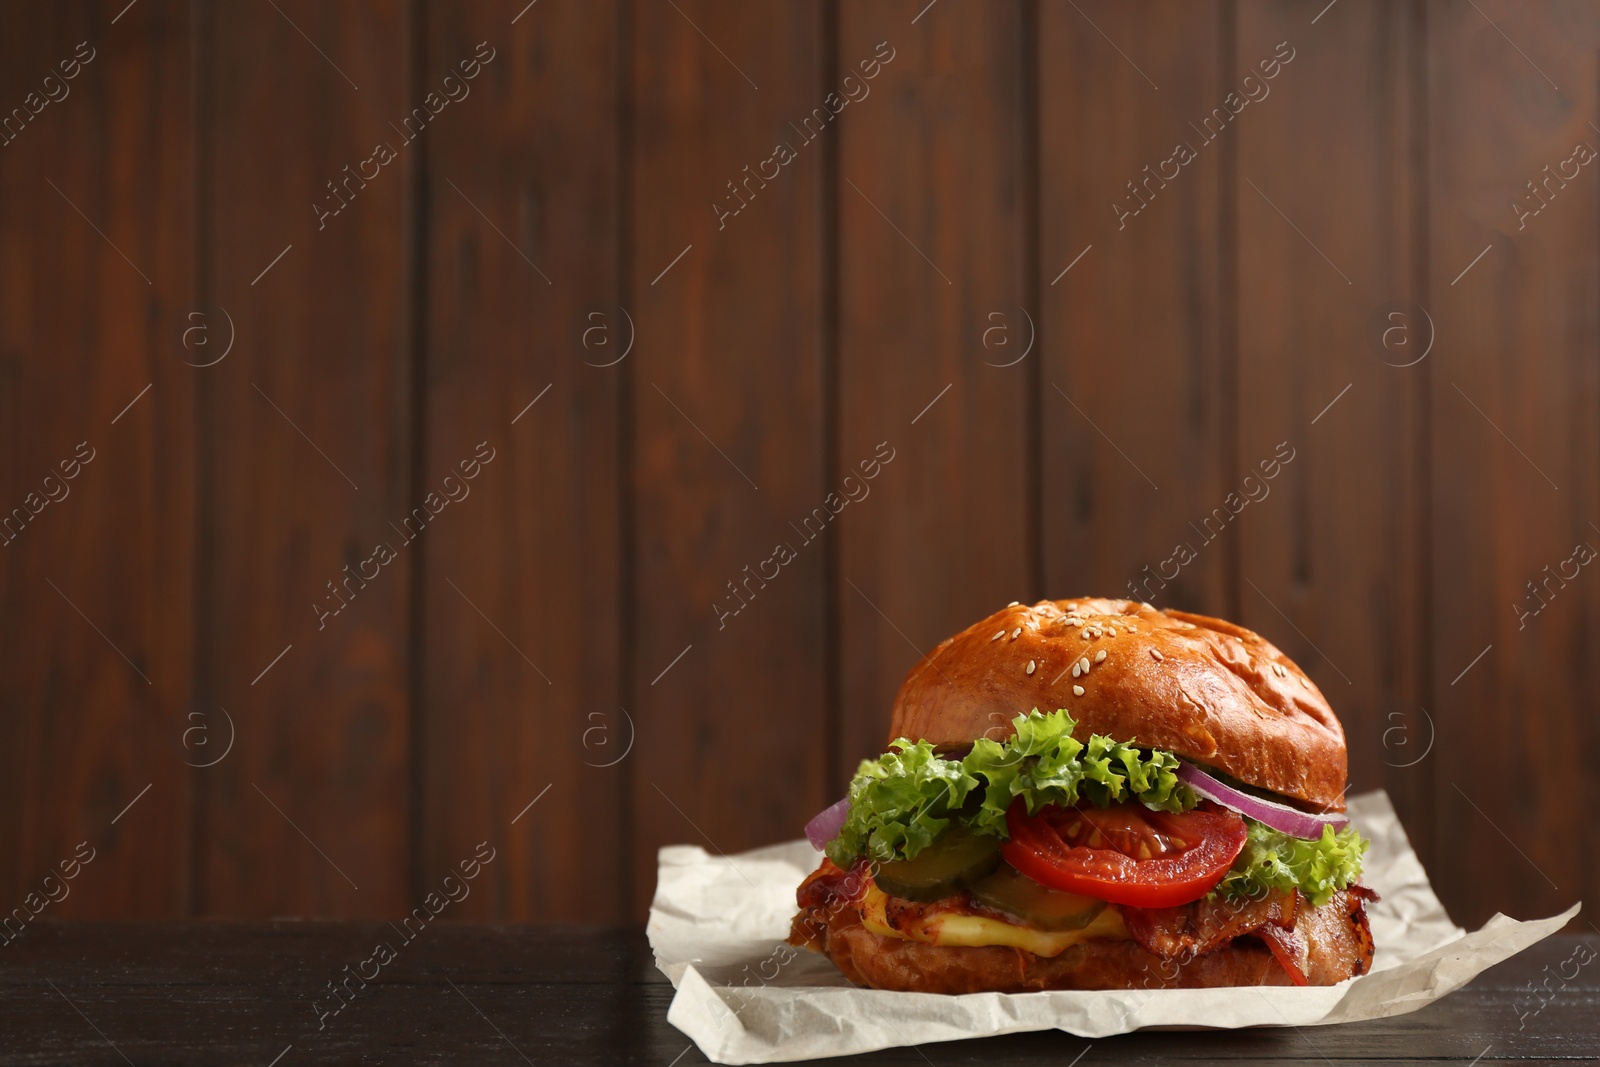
(1094,794)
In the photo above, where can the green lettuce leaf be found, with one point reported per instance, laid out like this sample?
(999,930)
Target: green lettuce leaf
(1274,860)
(901,801)
(1044,764)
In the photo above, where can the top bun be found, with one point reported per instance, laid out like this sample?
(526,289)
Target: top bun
(1207,690)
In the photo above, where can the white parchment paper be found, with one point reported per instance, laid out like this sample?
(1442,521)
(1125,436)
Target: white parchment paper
(718,923)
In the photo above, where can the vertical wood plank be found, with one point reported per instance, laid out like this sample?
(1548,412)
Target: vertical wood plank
(1136,366)
(1515,454)
(934,288)
(311,461)
(1329,375)
(727,419)
(96,567)
(521,651)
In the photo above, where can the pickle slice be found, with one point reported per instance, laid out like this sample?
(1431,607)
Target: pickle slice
(955,860)
(1014,893)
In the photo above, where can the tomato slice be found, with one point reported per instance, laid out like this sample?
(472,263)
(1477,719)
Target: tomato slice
(1126,853)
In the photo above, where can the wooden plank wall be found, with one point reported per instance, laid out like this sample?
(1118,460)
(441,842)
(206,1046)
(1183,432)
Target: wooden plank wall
(934,254)
(519,653)
(1515,446)
(98,261)
(309,455)
(1331,556)
(618,396)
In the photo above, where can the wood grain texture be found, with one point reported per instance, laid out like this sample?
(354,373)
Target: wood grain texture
(311,460)
(522,691)
(727,424)
(871,289)
(935,326)
(97,276)
(1516,455)
(242,993)
(1135,376)
(1331,547)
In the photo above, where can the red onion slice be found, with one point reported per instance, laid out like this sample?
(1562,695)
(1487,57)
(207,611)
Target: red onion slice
(1281,817)
(826,826)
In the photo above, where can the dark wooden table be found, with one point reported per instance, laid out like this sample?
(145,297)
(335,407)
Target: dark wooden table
(243,993)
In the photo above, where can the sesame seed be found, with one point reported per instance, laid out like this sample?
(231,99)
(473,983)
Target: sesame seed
(1013,604)
(1084,635)
(1077,669)
(1146,606)
(1015,632)
(1113,631)
(998,636)
(1084,663)
(1099,656)
(1155,654)
(1031,665)
(1077,690)
(1133,628)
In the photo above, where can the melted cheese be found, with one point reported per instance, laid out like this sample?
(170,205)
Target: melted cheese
(964,929)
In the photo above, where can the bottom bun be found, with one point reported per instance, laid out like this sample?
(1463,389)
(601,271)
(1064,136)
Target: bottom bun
(1336,939)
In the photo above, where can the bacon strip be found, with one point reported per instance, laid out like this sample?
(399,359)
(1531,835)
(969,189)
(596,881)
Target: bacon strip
(1194,929)
(829,883)
(1314,946)
(1336,937)
(1290,949)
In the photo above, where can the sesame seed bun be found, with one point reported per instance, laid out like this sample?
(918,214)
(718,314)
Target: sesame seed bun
(1209,691)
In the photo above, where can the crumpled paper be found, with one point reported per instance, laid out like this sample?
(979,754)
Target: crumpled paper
(718,924)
